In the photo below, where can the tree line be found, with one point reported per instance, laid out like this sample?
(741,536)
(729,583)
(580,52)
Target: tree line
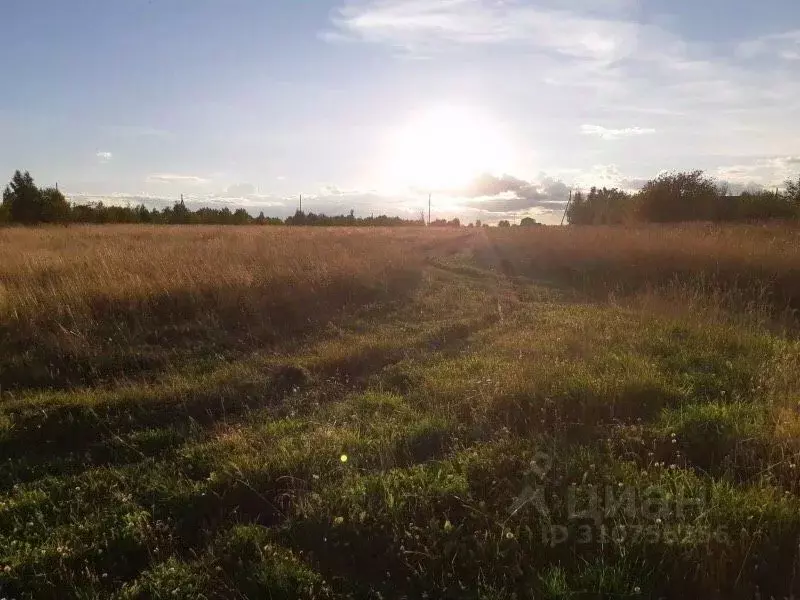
(678,197)
(671,197)
(26,204)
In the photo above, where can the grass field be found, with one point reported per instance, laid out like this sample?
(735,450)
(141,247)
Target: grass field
(203,412)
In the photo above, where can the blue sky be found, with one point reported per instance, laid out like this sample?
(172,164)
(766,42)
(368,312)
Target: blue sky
(371,104)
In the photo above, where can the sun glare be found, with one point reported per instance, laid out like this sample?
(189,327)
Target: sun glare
(446,147)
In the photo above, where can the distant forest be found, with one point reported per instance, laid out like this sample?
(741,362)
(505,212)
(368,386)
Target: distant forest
(671,197)
(679,197)
(26,204)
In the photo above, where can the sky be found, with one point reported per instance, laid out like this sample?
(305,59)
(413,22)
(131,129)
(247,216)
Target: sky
(497,108)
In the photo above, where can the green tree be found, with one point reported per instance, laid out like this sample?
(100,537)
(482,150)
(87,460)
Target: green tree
(55,208)
(504,223)
(25,203)
(608,206)
(179,215)
(793,192)
(578,212)
(761,205)
(23,200)
(673,197)
(528,222)
(241,217)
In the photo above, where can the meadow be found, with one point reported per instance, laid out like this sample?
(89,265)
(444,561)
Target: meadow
(286,412)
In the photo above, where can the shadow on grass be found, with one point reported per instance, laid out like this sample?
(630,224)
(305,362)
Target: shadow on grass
(594,273)
(136,338)
(581,412)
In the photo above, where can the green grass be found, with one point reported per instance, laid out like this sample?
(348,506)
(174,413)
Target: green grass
(483,435)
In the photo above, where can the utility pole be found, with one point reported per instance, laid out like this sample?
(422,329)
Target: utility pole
(566,208)
(301,202)
(429,210)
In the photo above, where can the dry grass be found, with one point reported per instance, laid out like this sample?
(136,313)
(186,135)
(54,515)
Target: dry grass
(76,294)
(64,275)
(755,265)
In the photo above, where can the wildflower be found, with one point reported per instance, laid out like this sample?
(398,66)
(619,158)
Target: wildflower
(448,526)
(509,535)
(343,458)
(658,521)
(674,441)
(673,435)
(7,568)
(637,590)
(338,521)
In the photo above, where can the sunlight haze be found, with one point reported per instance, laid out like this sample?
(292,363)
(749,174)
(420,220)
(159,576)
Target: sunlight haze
(371,104)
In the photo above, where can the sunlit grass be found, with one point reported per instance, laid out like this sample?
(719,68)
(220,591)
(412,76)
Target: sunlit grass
(217,413)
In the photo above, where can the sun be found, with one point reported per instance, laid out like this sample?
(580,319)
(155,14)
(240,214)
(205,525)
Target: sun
(446,147)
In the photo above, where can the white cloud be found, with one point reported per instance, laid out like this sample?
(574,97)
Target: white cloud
(175,178)
(610,176)
(104,157)
(768,172)
(614,134)
(240,190)
(785,46)
(423,26)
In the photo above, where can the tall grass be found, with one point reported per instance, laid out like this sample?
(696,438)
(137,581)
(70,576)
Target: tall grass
(744,264)
(92,291)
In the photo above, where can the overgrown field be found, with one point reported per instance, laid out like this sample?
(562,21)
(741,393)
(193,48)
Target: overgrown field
(201,412)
